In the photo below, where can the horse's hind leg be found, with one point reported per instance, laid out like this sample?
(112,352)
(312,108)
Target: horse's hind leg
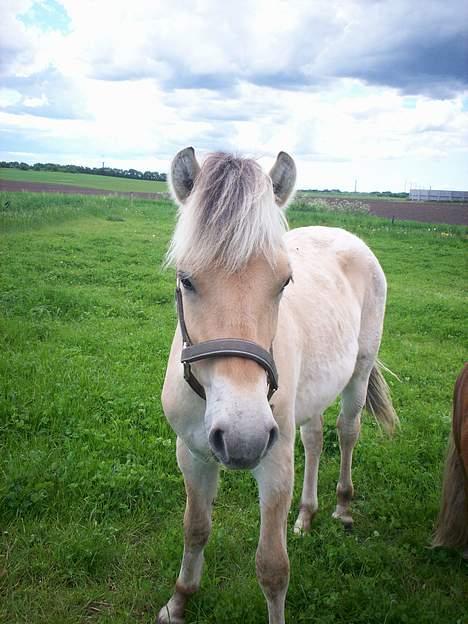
(312,440)
(349,425)
(201,480)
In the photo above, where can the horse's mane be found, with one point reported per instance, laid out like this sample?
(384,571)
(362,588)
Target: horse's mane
(229,216)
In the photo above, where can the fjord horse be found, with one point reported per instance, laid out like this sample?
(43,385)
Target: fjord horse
(261,308)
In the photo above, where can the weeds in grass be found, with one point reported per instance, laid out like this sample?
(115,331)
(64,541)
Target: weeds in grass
(343,206)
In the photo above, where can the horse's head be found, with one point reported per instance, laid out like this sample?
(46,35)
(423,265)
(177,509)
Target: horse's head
(232,268)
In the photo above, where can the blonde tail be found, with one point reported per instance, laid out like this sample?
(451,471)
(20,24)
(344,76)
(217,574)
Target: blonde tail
(379,401)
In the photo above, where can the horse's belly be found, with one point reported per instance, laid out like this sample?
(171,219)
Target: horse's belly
(319,386)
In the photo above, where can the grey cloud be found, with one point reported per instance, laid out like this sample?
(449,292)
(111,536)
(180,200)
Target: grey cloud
(424,66)
(171,76)
(64,101)
(388,43)
(395,44)
(36,141)
(217,138)
(181,78)
(230,106)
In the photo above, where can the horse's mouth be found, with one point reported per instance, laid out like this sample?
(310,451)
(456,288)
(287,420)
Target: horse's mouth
(237,464)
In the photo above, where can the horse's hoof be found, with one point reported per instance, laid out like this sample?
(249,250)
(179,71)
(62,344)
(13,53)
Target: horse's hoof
(304,520)
(302,525)
(300,529)
(345,519)
(165,617)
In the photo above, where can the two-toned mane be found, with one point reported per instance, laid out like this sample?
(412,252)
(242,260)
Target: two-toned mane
(260,307)
(228,216)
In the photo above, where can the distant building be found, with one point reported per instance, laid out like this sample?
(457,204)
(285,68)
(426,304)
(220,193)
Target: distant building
(434,195)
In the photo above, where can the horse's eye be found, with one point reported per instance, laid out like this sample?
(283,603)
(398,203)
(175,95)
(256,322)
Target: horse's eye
(187,284)
(286,283)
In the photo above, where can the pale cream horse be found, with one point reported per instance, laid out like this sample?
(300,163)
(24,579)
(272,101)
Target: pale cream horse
(315,297)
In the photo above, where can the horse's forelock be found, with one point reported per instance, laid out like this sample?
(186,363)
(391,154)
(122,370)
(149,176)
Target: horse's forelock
(229,216)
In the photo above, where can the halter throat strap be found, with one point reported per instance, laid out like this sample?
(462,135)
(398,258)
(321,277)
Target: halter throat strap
(221,347)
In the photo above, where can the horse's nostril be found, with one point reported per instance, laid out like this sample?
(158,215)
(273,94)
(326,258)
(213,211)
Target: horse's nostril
(217,439)
(273,437)
(218,444)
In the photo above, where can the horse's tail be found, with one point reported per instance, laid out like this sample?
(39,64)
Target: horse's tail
(452,523)
(379,401)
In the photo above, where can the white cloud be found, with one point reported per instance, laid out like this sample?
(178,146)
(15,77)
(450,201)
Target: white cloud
(35,102)
(327,81)
(9,97)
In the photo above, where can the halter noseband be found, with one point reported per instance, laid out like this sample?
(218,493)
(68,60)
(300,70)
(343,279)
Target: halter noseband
(221,347)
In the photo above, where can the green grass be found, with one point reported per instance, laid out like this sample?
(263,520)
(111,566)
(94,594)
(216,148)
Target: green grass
(85,180)
(91,500)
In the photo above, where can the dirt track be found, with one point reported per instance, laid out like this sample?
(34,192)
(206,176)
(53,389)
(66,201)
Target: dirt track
(429,212)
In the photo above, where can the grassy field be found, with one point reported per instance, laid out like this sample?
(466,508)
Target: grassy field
(91,500)
(85,180)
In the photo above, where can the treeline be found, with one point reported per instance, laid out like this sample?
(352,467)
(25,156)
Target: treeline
(106,171)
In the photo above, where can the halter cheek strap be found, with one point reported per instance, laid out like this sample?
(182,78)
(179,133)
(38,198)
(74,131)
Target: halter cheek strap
(221,347)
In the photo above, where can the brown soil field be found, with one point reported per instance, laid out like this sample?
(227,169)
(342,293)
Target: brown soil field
(428,212)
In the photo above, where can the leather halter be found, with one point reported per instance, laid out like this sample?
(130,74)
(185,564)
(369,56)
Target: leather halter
(221,347)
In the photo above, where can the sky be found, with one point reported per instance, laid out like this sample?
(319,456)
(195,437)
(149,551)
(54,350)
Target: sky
(366,94)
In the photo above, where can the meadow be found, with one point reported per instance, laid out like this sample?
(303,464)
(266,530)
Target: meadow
(91,500)
(85,180)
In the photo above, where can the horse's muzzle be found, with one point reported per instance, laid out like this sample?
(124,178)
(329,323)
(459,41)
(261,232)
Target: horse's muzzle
(241,452)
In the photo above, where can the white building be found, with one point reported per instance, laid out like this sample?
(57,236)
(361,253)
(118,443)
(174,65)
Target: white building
(434,195)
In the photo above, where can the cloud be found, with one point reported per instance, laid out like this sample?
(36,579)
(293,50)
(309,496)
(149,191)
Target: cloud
(290,46)
(347,86)
(16,45)
(416,49)
(47,93)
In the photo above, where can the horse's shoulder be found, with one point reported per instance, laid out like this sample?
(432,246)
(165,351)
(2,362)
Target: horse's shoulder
(337,240)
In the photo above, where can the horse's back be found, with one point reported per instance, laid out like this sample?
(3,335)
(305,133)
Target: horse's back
(334,268)
(320,246)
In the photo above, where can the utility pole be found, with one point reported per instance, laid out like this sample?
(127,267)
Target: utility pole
(355,185)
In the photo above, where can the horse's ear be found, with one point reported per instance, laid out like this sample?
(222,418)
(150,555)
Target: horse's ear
(184,170)
(283,176)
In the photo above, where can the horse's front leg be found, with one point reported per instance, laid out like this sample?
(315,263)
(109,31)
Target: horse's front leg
(201,480)
(275,482)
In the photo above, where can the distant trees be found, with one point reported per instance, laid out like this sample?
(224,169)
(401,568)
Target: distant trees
(107,171)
